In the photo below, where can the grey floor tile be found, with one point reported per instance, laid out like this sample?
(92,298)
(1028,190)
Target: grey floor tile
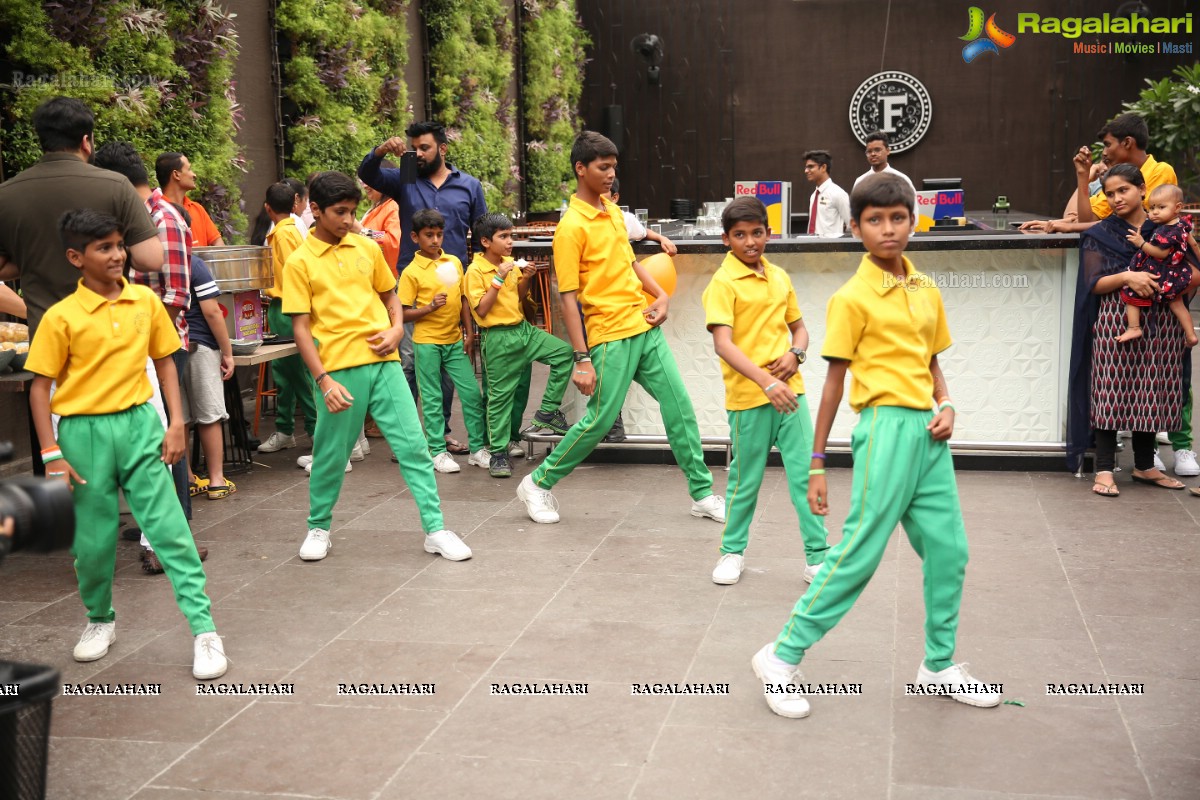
(318,586)
(1161,594)
(455,617)
(430,776)
(104,769)
(1154,647)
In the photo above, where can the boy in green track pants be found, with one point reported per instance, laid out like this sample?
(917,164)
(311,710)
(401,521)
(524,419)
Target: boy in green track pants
(431,291)
(95,343)
(349,322)
(597,273)
(886,325)
(751,310)
(493,289)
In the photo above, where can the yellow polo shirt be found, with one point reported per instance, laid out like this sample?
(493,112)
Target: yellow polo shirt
(507,308)
(338,286)
(96,349)
(758,309)
(284,239)
(418,285)
(592,258)
(1156,174)
(889,333)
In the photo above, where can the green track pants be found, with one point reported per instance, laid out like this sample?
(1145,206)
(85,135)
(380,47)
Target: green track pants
(753,432)
(123,451)
(647,359)
(507,354)
(430,360)
(901,475)
(380,389)
(293,381)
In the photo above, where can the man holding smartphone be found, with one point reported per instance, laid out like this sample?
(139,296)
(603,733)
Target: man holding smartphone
(426,180)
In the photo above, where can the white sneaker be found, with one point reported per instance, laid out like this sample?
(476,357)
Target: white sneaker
(208,657)
(712,507)
(810,572)
(539,503)
(308,464)
(358,454)
(957,683)
(316,545)
(728,569)
(1162,437)
(779,684)
(304,462)
(94,642)
(444,462)
(480,458)
(515,450)
(447,545)
(1185,463)
(1158,462)
(364,443)
(277,441)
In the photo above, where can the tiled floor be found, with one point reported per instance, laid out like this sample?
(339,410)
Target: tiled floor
(1062,587)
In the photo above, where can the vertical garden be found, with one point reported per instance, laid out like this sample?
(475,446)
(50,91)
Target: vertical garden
(503,76)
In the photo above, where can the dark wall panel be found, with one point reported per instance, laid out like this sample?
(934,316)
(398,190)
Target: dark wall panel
(747,87)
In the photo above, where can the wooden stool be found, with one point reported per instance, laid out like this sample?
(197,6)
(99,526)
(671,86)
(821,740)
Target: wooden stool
(264,370)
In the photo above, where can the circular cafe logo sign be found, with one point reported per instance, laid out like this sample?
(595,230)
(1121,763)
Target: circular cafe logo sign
(895,103)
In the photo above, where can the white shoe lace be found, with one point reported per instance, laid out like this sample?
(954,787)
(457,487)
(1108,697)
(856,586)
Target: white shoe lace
(317,537)
(93,631)
(543,500)
(211,646)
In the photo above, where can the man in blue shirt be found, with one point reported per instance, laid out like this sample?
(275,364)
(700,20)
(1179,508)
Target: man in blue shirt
(457,195)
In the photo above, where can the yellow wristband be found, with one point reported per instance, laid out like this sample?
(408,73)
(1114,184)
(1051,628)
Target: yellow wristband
(816,472)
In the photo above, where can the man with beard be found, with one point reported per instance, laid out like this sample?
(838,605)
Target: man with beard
(457,195)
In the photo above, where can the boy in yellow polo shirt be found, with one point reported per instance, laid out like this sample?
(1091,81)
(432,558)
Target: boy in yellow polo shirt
(886,325)
(751,310)
(510,344)
(431,290)
(348,322)
(95,343)
(292,382)
(597,273)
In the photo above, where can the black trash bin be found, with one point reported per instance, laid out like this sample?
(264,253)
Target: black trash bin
(26,692)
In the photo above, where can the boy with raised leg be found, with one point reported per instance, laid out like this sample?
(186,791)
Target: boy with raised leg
(348,321)
(431,291)
(95,343)
(751,310)
(886,325)
(597,273)
(494,288)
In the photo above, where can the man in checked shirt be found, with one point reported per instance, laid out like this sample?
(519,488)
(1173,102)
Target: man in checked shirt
(173,285)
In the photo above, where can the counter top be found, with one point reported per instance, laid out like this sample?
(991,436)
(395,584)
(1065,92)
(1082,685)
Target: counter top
(921,242)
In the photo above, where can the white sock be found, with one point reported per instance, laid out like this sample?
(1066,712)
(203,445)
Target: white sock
(776,661)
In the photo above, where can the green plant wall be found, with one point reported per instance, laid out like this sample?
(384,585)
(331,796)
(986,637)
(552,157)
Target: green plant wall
(343,83)
(158,75)
(553,42)
(471,65)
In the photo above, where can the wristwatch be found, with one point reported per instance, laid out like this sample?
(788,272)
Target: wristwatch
(798,353)
(582,356)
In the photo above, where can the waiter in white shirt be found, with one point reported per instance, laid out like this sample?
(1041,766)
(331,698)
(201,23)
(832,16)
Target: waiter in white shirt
(877,157)
(829,206)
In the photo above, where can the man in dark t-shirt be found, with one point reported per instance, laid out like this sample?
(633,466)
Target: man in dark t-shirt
(32,202)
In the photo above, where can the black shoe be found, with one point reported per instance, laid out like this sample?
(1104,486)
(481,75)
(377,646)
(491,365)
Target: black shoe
(500,466)
(617,432)
(556,422)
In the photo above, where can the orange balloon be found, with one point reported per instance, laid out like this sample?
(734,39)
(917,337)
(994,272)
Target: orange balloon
(662,268)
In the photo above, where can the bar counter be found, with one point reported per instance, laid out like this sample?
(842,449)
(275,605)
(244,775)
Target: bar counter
(1009,303)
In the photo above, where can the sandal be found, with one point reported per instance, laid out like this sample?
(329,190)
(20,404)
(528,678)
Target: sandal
(1195,492)
(456,447)
(197,486)
(221,492)
(1163,481)
(1105,489)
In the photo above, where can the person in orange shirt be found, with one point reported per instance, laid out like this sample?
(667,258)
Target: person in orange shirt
(176,178)
(382,223)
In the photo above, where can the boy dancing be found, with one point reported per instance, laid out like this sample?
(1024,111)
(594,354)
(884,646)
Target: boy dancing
(510,344)
(886,325)
(95,343)
(348,322)
(435,308)
(597,273)
(751,310)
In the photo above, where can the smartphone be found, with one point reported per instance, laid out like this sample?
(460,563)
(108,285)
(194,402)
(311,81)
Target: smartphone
(408,167)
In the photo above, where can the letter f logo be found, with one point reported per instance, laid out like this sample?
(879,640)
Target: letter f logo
(996,38)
